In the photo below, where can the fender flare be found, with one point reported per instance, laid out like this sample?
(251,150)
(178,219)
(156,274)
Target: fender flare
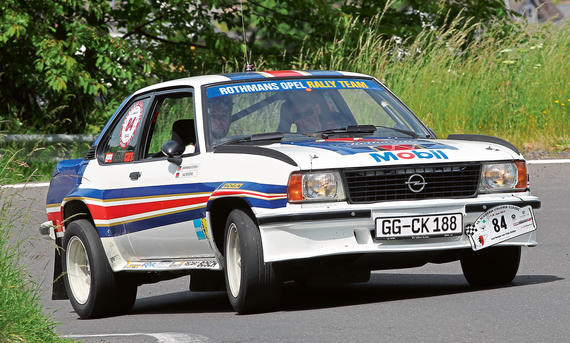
(483,138)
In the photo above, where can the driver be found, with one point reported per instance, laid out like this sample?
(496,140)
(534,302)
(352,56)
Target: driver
(220,113)
(305,112)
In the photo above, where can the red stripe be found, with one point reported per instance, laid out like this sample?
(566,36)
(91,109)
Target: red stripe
(282,73)
(112,212)
(55,218)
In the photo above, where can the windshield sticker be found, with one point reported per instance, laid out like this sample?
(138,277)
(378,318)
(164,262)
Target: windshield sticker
(130,124)
(129,156)
(109,157)
(288,85)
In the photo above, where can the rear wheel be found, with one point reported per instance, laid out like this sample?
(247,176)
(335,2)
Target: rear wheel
(93,288)
(252,284)
(492,266)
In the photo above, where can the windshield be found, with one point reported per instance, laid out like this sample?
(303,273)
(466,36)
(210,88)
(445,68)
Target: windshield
(318,107)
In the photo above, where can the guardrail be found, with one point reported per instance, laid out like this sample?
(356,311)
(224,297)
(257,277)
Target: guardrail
(54,138)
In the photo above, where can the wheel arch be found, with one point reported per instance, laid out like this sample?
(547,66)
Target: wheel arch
(76,209)
(219,210)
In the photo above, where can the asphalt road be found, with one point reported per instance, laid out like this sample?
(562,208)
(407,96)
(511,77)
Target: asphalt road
(428,304)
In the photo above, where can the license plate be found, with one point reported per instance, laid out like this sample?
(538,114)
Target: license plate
(500,224)
(441,225)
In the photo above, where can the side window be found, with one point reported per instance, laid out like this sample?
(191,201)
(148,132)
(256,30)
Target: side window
(173,118)
(121,146)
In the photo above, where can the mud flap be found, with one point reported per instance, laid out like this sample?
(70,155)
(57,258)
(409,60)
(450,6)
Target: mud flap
(58,287)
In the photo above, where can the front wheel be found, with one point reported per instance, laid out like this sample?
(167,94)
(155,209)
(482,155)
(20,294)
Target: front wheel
(91,285)
(252,284)
(492,266)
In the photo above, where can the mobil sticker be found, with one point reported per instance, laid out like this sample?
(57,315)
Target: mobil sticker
(385,156)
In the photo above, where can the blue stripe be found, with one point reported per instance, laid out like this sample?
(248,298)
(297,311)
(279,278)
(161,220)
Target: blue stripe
(145,224)
(260,187)
(244,76)
(254,202)
(164,190)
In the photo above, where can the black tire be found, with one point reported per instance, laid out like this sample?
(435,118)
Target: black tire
(106,294)
(256,288)
(492,266)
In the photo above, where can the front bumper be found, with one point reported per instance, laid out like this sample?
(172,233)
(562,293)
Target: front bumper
(314,230)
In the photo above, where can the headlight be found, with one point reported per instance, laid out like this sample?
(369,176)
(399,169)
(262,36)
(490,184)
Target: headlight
(315,186)
(503,177)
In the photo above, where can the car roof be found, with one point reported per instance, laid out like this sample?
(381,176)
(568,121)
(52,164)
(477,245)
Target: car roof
(196,81)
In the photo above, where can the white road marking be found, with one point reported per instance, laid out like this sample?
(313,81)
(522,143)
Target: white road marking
(26,185)
(548,161)
(46,184)
(162,337)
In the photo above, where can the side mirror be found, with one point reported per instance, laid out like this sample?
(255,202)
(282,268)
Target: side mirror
(173,150)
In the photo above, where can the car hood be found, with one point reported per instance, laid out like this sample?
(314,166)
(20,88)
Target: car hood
(363,152)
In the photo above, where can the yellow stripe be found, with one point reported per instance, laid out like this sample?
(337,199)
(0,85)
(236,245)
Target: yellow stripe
(149,217)
(53,205)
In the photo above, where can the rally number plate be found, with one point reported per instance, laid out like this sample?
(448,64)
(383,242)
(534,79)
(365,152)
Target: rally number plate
(441,225)
(499,224)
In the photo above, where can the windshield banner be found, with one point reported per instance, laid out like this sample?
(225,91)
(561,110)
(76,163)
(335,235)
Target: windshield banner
(290,85)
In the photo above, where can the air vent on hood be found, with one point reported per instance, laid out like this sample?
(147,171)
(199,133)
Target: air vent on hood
(90,155)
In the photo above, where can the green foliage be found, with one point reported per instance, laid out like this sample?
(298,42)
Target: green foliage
(21,318)
(66,65)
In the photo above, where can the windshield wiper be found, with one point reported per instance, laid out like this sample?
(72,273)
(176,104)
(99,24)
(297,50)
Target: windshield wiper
(258,137)
(406,132)
(362,129)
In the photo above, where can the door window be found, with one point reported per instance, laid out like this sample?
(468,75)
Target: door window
(173,119)
(121,146)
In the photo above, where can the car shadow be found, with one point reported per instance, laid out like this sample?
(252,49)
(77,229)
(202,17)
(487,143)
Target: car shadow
(382,287)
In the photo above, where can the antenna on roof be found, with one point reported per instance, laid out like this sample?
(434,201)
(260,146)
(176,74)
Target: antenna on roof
(248,67)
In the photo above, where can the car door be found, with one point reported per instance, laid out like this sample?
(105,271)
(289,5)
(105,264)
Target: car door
(171,198)
(157,205)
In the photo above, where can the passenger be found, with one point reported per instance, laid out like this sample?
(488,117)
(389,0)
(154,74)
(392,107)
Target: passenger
(220,113)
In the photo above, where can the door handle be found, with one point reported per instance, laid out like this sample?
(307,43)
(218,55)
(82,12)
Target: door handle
(134,175)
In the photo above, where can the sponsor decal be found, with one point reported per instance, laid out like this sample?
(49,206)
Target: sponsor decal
(109,157)
(201,228)
(232,185)
(130,124)
(118,157)
(351,146)
(129,156)
(287,85)
(407,155)
(187,171)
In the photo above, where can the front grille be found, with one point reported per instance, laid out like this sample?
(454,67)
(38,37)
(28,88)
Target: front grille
(389,183)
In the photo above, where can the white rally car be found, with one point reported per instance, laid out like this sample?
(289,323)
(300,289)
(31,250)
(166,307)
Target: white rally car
(248,180)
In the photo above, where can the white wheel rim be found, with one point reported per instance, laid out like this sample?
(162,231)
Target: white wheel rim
(78,270)
(233,260)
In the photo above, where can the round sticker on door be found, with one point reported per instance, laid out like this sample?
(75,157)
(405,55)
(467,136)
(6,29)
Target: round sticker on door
(130,124)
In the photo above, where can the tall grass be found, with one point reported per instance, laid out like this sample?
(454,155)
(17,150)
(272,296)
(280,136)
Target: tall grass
(21,317)
(512,81)
(35,161)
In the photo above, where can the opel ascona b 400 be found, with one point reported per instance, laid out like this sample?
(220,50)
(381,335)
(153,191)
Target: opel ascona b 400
(246,181)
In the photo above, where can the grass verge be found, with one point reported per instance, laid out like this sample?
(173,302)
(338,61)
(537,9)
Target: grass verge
(21,317)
